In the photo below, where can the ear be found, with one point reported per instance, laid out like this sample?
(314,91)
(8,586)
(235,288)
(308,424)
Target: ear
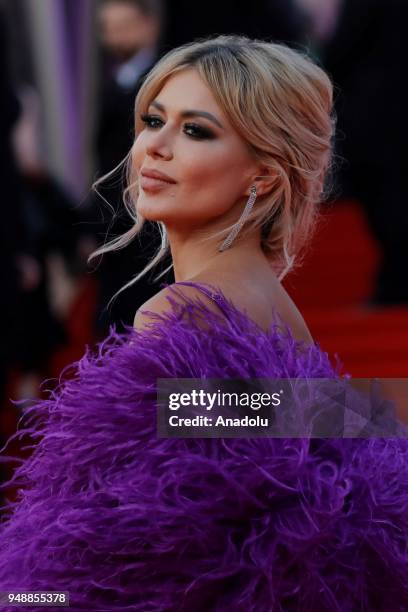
(264,181)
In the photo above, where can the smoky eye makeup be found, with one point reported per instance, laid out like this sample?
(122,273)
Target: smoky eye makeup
(197,131)
(150,120)
(191,129)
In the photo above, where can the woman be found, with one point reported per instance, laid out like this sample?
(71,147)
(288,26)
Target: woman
(233,144)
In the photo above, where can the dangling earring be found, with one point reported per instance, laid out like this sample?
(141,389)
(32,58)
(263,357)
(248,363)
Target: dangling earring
(245,214)
(165,242)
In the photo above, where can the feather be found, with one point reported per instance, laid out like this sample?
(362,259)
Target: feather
(124,520)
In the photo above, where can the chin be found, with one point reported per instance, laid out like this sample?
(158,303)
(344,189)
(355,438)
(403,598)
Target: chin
(152,210)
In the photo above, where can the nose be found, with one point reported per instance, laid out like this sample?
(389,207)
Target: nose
(159,147)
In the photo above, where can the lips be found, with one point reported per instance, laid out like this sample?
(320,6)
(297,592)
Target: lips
(158,176)
(153,180)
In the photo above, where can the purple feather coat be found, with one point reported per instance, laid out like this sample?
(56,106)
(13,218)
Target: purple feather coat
(124,520)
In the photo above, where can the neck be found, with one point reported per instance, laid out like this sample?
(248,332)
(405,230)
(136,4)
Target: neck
(191,256)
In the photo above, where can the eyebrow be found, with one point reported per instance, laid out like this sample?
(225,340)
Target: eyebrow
(190,113)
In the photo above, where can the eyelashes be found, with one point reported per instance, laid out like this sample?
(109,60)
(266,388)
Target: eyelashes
(150,120)
(197,132)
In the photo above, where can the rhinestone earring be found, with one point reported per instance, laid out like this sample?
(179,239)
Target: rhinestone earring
(245,214)
(164,240)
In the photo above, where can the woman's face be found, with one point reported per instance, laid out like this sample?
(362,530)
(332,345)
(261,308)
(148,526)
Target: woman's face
(187,137)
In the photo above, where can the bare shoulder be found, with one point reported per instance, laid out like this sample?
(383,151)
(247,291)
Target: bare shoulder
(290,313)
(259,297)
(258,300)
(160,304)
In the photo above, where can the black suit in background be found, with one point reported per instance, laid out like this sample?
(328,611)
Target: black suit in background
(367,59)
(277,20)
(12,236)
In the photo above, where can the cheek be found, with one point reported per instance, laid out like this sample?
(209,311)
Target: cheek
(214,176)
(138,152)
(204,164)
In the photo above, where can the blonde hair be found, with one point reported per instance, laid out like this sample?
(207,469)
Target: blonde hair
(281,103)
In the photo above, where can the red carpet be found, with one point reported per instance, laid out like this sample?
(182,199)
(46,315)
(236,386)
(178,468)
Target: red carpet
(331,289)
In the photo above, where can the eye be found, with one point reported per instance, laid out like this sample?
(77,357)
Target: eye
(151,121)
(198,132)
(192,130)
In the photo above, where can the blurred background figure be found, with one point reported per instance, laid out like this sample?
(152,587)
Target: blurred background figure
(18,268)
(129,33)
(360,45)
(38,237)
(30,333)
(50,221)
